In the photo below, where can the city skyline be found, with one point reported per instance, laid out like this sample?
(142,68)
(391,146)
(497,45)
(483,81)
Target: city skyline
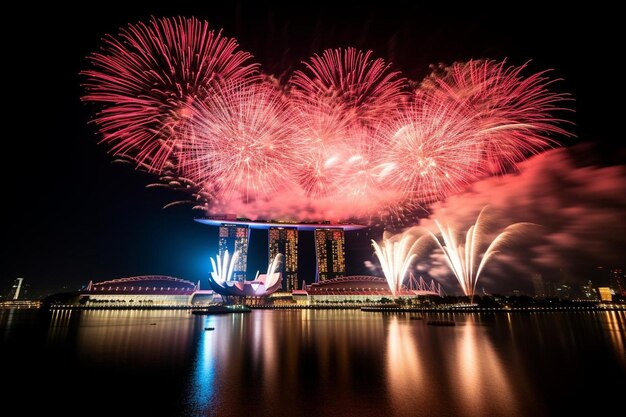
(102,223)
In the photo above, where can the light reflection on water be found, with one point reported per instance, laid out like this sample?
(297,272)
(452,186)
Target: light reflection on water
(483,385)
(403,367)
(327,362)
(616,323)
(201,389)
(138,337)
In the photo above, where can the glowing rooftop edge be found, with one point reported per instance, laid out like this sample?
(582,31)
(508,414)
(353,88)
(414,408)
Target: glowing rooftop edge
(267,225)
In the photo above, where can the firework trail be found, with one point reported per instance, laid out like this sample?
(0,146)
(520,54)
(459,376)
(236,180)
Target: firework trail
(223,267)
(464,258)
(147,75)
(397,253)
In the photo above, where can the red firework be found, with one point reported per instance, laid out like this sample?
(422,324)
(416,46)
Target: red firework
(148,75)
(345,142)
(514,116)
(431,150)
(350,82)
(336,96)
(326,135)
(241,142)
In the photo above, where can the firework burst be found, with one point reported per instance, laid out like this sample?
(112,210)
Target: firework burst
(241,143)
(513,115)
(432,152)
(147,76)
(325,134)
(349,81)
(343,139)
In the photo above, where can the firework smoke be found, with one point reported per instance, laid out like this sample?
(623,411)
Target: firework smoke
(578,202)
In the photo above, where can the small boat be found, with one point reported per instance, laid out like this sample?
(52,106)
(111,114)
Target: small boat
(221,309)
(152,324)
(239,308)
(440,323)
(209,328)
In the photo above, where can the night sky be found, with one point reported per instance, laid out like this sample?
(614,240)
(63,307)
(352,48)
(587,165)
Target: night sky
(72,216)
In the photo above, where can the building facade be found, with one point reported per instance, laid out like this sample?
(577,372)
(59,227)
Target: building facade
(354,289)
(605,294)
(618,279)
(284,237)
(284,240)
(330,253)
(143,292)
(232,238)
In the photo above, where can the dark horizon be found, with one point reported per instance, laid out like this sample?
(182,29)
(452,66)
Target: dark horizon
(74,216)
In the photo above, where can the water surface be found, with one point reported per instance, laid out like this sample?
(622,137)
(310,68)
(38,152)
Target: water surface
(311,362)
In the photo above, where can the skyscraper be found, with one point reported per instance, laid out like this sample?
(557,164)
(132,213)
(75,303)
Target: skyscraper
(617,277)
(234,237)
(605,294)
(330,253)
(285,240)
(285,237)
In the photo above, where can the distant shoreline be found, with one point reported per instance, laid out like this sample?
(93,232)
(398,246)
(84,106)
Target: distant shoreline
(373,309)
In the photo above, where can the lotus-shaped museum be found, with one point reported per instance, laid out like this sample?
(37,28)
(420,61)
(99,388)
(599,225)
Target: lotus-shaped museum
(221,282)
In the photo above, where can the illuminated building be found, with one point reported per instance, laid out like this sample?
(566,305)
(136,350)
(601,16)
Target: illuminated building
(329,240)
(618,277)
(284,240)
(222,283)
(330,253)
(146,291)
(232,238)
(605,294)
(363,289)
(588,292)
(564,291)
